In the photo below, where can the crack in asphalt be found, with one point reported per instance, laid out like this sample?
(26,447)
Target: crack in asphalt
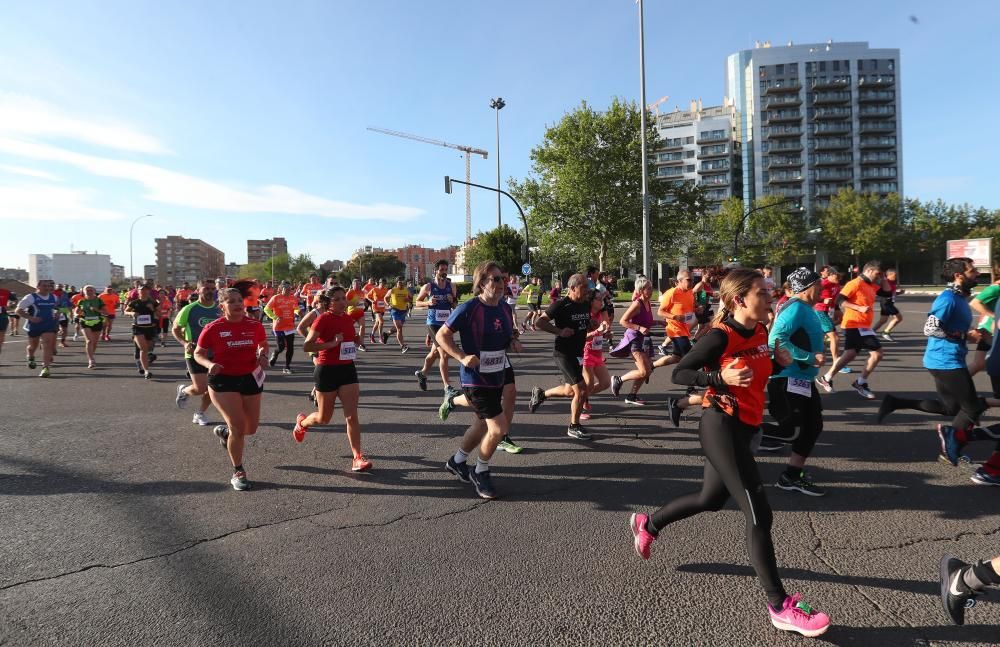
(931,540)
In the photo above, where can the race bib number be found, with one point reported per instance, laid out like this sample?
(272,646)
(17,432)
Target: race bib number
(597,343)
(348,351)
(441,315)
(800,387)
(492,361)
(866,332)
(380,304)
(259,375)
(143,320)
(690,318)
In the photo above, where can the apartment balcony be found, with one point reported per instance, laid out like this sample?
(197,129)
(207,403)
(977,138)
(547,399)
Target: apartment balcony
(878,158)
(783,131)
(785,147)
(877,127)
(783,87)
(782,116)
(718,195)
(710,152)
(703,169)
(823,98)
(833,143)
(831,113)
(876,96)
(712,139)
(834,128)
(833,160)
(783,162)
(834,175)
(663,160)
(886,81)
(831,84)
(785,178)
(878,142)
(782,101)
(884,112)
(670,172)
(784,192)
(715,181)
(878,173)
(829,190)
(872,186)
(671,146)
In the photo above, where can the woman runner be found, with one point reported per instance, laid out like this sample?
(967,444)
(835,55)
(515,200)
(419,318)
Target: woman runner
(90,311)
(734,363)
(595,371)
(281,310)
(637,320)
(145,326)
(335,340)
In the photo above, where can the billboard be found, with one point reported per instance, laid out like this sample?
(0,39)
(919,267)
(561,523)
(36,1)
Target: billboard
(980,250)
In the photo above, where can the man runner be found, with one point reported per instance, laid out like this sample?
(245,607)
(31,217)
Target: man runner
(439,297)
(678,312)
(40,311)
(188,324)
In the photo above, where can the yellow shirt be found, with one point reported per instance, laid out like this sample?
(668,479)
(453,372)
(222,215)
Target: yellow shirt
(399,298)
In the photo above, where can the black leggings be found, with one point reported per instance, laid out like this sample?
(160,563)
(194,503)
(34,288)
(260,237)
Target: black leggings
(731,471)
(800,418)
(958,398)
(286,343)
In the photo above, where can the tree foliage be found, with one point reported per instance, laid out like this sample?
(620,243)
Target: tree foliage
(502,245)
(771,232)
(864,225)
(286,268)
(372,266)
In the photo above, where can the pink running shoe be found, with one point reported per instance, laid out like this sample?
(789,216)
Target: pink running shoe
(643,540)
(584,416)
(299,433)
(796,615)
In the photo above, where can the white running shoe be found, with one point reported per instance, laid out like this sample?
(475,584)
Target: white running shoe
(199,419)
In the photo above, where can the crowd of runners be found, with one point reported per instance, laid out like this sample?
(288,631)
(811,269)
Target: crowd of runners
(754,358)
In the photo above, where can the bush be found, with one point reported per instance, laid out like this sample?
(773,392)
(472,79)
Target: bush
(462,288)
(626,285)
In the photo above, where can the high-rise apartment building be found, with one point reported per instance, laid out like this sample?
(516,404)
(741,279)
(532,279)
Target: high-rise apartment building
(699,146)
(261,251)
(180,259)
(813,119)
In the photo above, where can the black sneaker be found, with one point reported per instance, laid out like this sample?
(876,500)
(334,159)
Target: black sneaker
(483,483)
(956,597)
(616,385)
(152,358)
(421,380)
(461,470)
(675,411)
(577,431)
(801,483)
(887,406)
(537,398)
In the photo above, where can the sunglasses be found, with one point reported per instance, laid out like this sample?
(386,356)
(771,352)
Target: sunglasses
(496,279)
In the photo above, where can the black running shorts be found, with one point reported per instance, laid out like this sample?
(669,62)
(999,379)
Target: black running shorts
(193,367)
(571,368)
(486,402)
(331,377)
(854,340)
(242,384)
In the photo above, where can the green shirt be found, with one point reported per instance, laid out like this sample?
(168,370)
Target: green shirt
(193,318)
(91,309)
(988,297)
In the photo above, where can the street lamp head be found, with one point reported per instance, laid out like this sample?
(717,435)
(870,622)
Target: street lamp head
(497,103)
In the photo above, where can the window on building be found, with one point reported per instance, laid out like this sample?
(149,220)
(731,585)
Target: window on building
(689,140)
(822,66)
(779,69)
(892,64)
(875,64)
(688,154)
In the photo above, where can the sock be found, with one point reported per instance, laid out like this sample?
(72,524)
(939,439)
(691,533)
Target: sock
(862,379)
(961,436)
(650,528)
(482,466)
(238,468)
(979,575)
(461,457)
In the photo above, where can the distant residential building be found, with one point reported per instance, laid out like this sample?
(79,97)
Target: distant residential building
(117,272)
(75,268)
(458,268)
(233,270)
(13,274)
(332,266)
(149,273)
(261,251)
(420,260)
(180,259)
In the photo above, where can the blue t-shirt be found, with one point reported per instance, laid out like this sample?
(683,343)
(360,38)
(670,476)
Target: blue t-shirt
(801,333)
(485,331)
(955,315)
(45,308)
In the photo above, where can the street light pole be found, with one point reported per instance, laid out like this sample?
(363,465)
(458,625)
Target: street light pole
(131,267)
(498,104)
(646,248)
(746,216)
(527,246)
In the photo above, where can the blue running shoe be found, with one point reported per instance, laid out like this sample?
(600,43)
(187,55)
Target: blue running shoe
(982,477)
(461,470)
(950,446)
(483,483)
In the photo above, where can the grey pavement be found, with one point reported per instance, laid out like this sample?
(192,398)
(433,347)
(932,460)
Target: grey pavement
(119,526)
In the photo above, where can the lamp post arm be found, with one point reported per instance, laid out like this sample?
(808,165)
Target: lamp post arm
(524,219)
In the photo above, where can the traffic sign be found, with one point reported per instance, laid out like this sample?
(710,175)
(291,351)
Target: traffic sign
(526,269)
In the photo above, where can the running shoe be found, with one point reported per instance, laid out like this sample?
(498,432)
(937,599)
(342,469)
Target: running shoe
(483,483)
(421,380)
(447,406)
(887,406)
(31,363)
(950,447)
(461,470)
(371,337)
(796,615)
(273,359)
(982,477)
(770,444)
(674,409)
(147,375)
(633,398)
(956,596)
(385,338)
(361,464)
(578,432)
(537,398)
(587,407)
(886,336)
(404,350)
(45,372)
(643,540)
(362,348)
(138,365)
(824,384)
(199,419)
(239,481)
(76,337)
(222,433)
(801,483)
(509,446)
(452,391)
(846,370)
(616,385)
(182,397)
(287,370)
(584,416)
(299,432)
(91,365)
(863,390)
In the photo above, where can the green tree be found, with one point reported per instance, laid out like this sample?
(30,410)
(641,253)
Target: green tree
(865,225)
(285,268)
(366,266)
(502,245)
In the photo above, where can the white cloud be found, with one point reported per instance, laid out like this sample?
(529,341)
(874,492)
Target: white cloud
(30,172)
(26,116)
(50,204)
(170,187)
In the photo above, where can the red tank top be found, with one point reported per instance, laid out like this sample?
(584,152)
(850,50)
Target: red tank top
(743,402)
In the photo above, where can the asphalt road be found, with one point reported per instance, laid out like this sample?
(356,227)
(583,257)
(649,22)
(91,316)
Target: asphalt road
(118,525)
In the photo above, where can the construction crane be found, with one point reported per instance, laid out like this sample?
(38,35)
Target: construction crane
(655,106)
(469,152)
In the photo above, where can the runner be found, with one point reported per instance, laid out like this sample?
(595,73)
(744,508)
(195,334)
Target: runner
(334,339)
(281,310)
(356,309)
(234,350)
(377,297)
(961,583)
(5,297)
(826,307)
(15,319)
(184,294)
(533,297)
(111,302)
(595,372)
(399,301)
(366,288)
(703,293)
(144,328)
(166,309)
(734,363)
(311,290)
(889,311)
(439,296)
(89,311)
(65,309)
(188,324)
(637,321)
(568,319)
(511,292)
(678,312)
(77,330)
(857,300)
(41,315)
(486,330)
(252,300)
(984,305)
(554,294)
(793,400)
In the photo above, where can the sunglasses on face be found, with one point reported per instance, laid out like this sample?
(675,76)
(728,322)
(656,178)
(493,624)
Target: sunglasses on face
(496,279)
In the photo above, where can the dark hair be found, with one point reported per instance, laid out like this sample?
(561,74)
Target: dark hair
(953,266)
(443,261)
(590,270)
(872,265)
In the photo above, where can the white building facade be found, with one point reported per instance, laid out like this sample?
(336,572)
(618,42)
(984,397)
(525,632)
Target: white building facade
(77,268)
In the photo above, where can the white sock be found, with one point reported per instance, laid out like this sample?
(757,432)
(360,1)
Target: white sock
(461,457)
(862,380)
(482,466)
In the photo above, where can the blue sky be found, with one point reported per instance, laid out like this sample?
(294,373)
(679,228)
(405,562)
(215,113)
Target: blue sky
(235,120)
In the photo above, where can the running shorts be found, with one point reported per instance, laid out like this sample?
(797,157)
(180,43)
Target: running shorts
(508,375)
(432,330)
(111,317)
(681,346)
(571,368)
(242,384)
(398,315)
(330,377)
(825,322)
(854,340)
(96,327)
(486,402)
(64,323)
(284,333)
(532,307)
(889,309)
(984,344)
(148,333)
(193,367)
(34,332)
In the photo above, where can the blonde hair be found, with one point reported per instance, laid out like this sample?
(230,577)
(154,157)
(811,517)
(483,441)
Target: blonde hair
(641,284)
(480,274)
(737,284)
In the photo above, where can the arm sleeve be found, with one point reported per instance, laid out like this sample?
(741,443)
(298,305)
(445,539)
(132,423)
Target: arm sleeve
(933,328)
(782,330)
(181,320)
(707,352)
(26,302)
